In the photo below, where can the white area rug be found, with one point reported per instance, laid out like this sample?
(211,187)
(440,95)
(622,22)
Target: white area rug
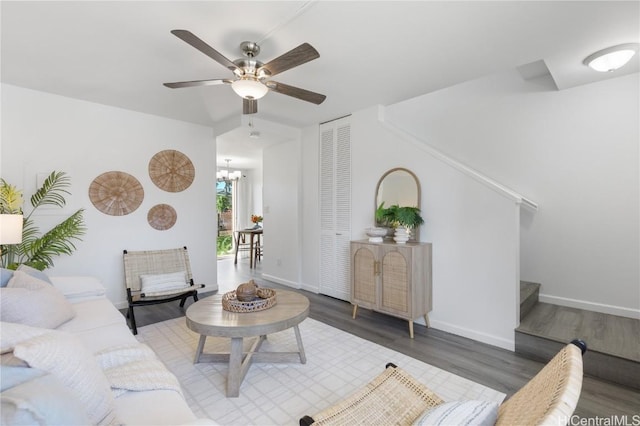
(338,363)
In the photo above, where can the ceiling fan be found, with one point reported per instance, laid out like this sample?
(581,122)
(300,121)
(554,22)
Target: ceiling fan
(251,76)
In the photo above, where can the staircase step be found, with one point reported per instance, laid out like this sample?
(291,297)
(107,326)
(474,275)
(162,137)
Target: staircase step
(529,293)
(614,347)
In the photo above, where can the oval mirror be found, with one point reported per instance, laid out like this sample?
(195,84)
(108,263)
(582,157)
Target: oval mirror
(398,186)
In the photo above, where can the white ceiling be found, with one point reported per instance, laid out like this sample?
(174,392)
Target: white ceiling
(371,52)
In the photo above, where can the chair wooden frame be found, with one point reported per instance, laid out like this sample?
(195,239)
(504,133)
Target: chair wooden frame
(147,262)
(394,397)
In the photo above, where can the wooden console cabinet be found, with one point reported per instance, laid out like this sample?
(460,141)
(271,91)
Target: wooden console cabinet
(392,278)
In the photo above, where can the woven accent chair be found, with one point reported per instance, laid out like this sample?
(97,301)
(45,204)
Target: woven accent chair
(396,398)
(155,263)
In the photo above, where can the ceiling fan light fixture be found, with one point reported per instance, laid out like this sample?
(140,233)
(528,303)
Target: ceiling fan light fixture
(249,88)
(611,58)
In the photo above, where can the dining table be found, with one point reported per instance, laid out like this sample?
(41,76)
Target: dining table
(254,235)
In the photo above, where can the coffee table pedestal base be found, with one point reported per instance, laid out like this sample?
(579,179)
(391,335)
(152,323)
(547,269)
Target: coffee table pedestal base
(240,361)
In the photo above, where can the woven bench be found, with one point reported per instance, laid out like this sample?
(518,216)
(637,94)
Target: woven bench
(396,398)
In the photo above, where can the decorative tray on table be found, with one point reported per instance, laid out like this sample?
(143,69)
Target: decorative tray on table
(265,298)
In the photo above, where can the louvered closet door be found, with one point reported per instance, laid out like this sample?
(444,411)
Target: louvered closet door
(335,208)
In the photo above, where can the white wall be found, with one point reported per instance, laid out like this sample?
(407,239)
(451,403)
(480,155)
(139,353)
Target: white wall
(474,229)
(576,153)
(250,197)
(310,200)
(43,132)
(281,212)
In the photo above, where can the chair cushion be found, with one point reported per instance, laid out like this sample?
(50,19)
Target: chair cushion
(31,301)
(462,413)
(155,283)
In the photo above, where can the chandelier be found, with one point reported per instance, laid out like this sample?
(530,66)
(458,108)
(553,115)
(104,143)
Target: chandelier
(226,175)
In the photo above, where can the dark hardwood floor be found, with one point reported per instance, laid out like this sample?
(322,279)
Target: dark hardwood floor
(497,368)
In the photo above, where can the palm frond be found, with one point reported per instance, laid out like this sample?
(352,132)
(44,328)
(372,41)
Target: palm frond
(58,241)
(10,198)
(52,191)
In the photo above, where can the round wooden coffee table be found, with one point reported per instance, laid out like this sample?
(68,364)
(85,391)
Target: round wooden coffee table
(207,318)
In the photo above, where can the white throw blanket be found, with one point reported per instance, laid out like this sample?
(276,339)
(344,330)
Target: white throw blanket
(135,368)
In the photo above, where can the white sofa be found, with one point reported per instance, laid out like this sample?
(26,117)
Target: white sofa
(100,328)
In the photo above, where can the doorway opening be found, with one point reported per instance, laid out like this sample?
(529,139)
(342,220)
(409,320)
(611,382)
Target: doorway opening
(226,195)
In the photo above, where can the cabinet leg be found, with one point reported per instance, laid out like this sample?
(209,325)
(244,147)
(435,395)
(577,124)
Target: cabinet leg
(426,320)
(411,328)
(355,311)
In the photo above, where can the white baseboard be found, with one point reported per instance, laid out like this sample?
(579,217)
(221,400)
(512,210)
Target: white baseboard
(309,288)
(292,284)
(591,306)
(508,344)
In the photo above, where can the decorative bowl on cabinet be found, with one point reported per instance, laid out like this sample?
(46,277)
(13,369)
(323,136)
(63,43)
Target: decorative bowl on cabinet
(375,234)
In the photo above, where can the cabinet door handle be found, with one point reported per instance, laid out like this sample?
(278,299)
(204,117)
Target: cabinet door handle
(376,267)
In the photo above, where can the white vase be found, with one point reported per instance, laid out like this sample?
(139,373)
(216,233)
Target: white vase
(401,235)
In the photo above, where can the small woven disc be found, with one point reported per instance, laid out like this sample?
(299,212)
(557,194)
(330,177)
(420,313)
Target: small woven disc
(116,193)
(162,217)
(171,170)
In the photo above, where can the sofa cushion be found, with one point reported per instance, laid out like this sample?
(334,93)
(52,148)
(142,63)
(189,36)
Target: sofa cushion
(63,356)
(31,396)
(31,301)
(78,288)
(93,314)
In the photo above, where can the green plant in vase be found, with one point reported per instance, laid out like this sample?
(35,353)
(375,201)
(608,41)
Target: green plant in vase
(404,219)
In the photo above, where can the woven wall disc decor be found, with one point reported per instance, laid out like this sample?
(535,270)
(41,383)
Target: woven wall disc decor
(162,217)
(171,170)
(116,193)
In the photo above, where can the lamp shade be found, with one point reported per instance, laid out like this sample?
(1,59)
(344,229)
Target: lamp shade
(249,88)
(10,228)
(611,58)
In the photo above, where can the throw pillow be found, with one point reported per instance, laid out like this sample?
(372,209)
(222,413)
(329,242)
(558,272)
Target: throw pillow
(163,282)
(463,413)
(35,397)
(35,273)
(13,333)
(5,276)
(62,355)
(31,301)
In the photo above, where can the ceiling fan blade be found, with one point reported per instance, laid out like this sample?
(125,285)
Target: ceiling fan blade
(181,84)
(189,38)
(296,92)
(249,106)
(297,56)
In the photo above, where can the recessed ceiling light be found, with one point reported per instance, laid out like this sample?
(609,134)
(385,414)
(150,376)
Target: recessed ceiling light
(611,58)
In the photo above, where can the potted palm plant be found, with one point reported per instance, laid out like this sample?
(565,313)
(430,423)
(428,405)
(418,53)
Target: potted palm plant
(37,250)
(404,219)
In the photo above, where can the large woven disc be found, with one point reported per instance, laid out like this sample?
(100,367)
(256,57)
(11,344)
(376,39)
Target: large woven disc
(116,193)
(162,217)
(171,170)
